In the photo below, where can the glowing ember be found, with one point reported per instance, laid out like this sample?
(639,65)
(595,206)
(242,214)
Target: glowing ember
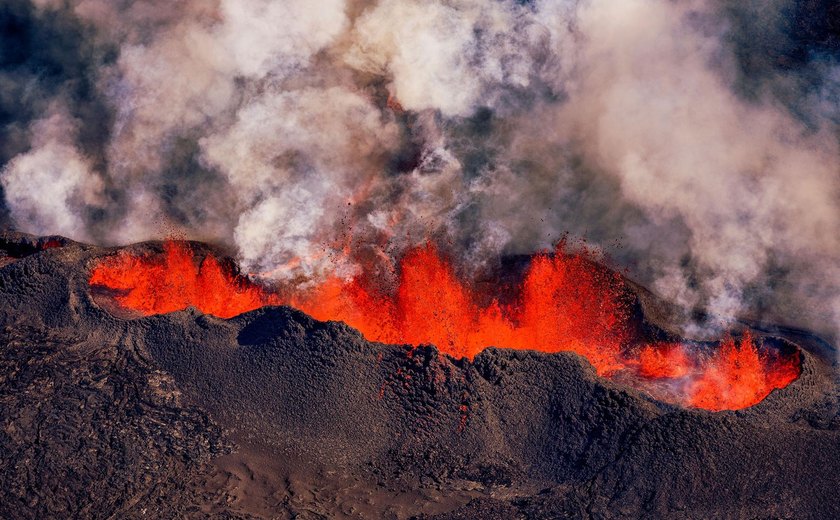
(564,303)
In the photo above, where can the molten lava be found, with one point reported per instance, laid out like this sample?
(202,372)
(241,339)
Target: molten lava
(736,376)
(565,302)
(668,361)
(565,305)
(157,285)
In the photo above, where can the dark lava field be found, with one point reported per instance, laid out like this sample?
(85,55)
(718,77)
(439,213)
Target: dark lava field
(272,414)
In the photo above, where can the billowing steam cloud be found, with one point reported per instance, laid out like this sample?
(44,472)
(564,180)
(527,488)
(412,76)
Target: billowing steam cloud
(291,129)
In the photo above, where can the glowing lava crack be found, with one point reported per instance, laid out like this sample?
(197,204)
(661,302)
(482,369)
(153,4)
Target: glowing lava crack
(565,302)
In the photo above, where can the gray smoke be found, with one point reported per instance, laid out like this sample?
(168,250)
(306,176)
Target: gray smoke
(695,141)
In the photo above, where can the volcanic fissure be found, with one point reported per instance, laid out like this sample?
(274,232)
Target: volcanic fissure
(565,301)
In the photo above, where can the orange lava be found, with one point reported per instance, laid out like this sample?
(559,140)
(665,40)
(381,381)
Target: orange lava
(565,302)
(658,361)
(736,376)
(155,285)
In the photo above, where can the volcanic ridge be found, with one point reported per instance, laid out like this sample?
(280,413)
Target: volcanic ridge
(154,381)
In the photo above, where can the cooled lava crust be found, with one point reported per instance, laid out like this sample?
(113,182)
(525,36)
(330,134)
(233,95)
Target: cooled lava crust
(272,414)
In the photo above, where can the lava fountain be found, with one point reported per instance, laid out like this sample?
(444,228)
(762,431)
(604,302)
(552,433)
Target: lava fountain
(564,302)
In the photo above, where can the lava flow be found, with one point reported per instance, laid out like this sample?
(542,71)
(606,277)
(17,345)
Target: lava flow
(565,302)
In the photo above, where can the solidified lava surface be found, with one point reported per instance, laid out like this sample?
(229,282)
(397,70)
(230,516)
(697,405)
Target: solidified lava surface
(270,413)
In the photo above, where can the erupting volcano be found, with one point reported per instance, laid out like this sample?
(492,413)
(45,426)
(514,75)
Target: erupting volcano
(218,390)
(419,259)
(565,302)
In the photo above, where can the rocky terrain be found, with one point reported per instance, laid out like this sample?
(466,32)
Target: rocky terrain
(272,414)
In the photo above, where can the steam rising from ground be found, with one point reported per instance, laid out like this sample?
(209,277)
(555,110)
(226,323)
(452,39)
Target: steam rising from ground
(290,130)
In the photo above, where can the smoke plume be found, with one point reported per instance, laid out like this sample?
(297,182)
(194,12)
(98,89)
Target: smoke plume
(695,141)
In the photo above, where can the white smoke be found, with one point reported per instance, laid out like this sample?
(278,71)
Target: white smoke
(50,187)
(455,56)
(496,125)
(293,160)
(748,180)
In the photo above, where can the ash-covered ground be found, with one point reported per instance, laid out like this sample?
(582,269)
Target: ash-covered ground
(274,415)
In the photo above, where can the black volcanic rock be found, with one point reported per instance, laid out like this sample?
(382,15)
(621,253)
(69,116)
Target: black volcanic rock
(273,414)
